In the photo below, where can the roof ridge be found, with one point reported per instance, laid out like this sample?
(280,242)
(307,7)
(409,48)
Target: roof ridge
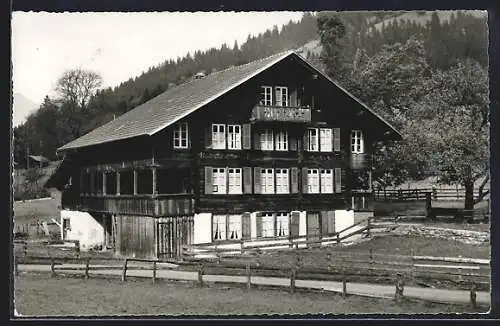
(232,67)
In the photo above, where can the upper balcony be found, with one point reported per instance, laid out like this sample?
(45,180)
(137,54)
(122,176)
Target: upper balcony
(280,113)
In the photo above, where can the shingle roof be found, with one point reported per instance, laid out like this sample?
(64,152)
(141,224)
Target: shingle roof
(178,102)
(39,158)
(174,104)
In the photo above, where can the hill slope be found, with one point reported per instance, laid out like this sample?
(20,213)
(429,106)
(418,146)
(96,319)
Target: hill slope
(21,108)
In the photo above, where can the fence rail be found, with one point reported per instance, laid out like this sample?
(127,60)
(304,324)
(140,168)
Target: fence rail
(338,269)
(216,250)
(420,194)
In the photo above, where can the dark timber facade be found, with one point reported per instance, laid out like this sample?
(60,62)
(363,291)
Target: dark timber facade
(275,142)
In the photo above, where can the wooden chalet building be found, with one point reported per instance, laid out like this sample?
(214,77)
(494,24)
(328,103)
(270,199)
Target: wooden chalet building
(260,152)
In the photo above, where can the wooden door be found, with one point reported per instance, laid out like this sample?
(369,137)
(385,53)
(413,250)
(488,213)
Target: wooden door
(313,226)
(172,234)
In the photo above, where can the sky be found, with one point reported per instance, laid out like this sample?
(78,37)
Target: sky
(119,45)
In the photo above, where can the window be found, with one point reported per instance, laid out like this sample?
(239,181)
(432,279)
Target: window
(282,183)
(219,227)
(111,183)
(127,182)
(281,141)
(266,140)
(234,137)
(281,95)
(234,181)
(282,224)
(66,224)
(327,181)
(181,135)
(357,144)
(219,180)
(218,136)
(268,225)
(234,227)
(312,181)
(144,181)
(267,95)
(325,136)
(267,181)
(313,139)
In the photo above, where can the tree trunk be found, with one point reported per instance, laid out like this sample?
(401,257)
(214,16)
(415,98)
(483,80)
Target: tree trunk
(469,201)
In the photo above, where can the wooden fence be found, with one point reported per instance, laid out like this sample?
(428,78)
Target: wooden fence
(344,267)
(218,250)
(420,194)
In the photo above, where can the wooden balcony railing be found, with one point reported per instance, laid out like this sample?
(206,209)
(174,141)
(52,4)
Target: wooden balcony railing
(360,160)
(161,205)
(281,113)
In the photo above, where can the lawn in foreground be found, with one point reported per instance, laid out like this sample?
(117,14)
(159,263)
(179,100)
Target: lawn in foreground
(41,295)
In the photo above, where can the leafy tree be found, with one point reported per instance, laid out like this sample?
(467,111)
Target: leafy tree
(76,86)
(75,89)
(460,99)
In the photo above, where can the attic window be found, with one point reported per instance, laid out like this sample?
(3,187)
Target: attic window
(357,143)
(181,135)
(266,95)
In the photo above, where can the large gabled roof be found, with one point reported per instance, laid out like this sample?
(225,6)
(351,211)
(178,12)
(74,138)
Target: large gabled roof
(174,104)
(180,101)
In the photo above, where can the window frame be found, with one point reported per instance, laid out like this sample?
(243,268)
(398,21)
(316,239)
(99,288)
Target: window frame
(357,142)
(216,136)
(329,140)
(222,234)
(282,95)
(177,135)
(230,177)
(264,178)
(231,224)
(264,140)
(264,94)
(310,173)
(237,138)
(284,217)
(323,183)
(282,176)
(310,137)
(281,141)
(216,173)
(270,220)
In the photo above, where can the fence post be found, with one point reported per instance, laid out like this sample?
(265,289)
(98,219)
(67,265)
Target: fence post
(297,255)
(77,248)
(52,267)
(200,275)
(338,237)
(241,246)
(249,284)
(369,226)
(154,272)
(124,272)
(344,283)
(428,205)
(87,263)
(412,267)
(473,302)
(292,279)
(25,249)
(400,285)
(371,261)
(16,267)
